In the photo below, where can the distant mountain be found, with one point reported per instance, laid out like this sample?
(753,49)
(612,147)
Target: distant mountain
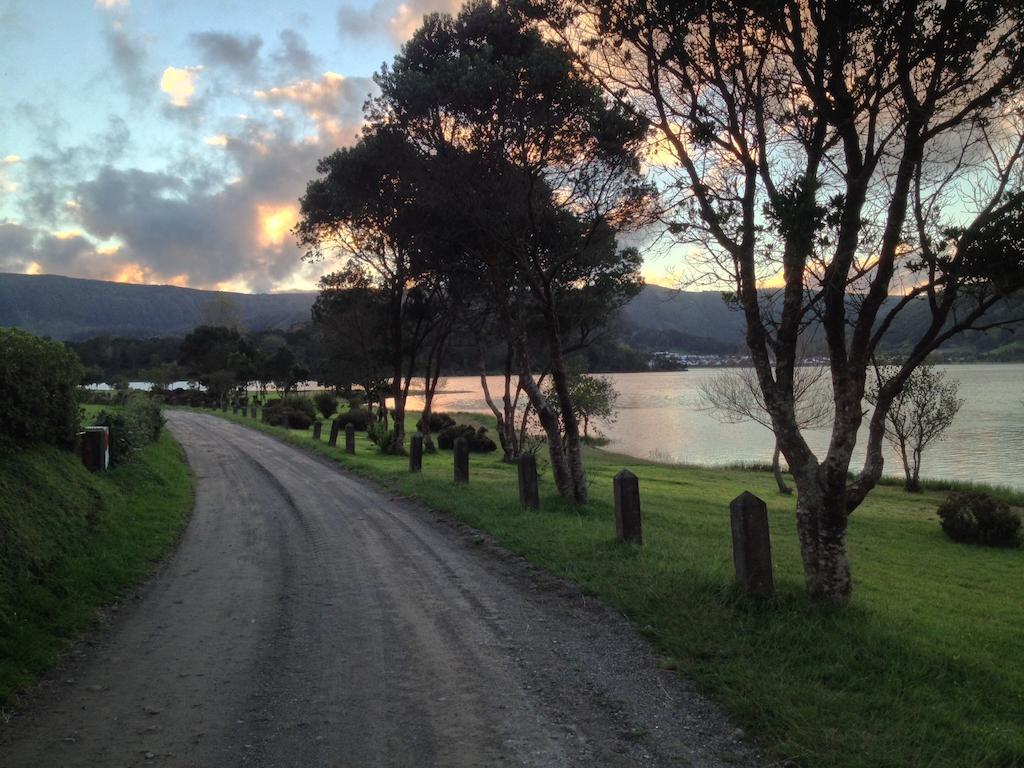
(659,319)
(72,309)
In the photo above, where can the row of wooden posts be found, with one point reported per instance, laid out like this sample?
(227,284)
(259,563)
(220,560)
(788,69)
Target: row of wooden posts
(751,542)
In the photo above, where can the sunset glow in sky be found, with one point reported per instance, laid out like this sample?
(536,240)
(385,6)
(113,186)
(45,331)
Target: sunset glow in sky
(166,142)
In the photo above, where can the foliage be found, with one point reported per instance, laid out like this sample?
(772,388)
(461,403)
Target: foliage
(218,358)
(922,411)
(132,427)
(291,411)
(477,438)
(593,397)
(977,518)
(326,403)
(38,381)
(359,418)
(438,421)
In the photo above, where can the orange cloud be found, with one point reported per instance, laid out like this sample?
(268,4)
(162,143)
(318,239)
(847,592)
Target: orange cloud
(180,84)
(131,273)
(275,223)
(220,140)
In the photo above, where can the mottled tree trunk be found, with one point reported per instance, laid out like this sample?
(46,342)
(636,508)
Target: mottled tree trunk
(580,493)
(777,471)
(549,421)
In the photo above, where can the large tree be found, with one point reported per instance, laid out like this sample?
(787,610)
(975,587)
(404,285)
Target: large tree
(542,172)
(855,158)
(364,208)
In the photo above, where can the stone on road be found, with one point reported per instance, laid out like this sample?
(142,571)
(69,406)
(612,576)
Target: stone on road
(307,619)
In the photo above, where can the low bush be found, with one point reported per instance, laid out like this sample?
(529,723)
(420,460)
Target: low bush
(326,403)
(478,440)
(358,418)
(131,428)
(978,518)
(438,421)
(38,383)
(292,412)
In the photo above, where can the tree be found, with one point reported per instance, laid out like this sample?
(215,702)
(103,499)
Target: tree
(217,358)
(861,158)
(920,414)
(593,397)
(285,371)
(540,173)
(363,208)
(736,396)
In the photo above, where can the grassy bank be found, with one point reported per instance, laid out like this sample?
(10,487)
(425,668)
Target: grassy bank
(73,542)
(922,670)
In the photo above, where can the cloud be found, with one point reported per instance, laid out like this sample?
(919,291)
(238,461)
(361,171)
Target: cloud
(11,159)
(398,19)
(235,52)
(333,103)
(180,84)
(110,5)
(36,251)
(128,57)
(294,59)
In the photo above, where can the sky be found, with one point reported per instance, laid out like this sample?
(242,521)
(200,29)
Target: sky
(168,141)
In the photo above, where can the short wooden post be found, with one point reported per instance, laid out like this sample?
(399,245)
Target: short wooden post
(333,439)
(626,490)
(460,452)
(751,545)
(416,453)
(529,494)
(252,411)
(317,428)
(350,438)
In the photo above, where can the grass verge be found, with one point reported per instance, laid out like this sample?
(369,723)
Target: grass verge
(923,669)
(73,542)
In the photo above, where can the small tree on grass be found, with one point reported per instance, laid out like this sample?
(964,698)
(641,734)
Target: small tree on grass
(735,397)
(919,415)
(593,397)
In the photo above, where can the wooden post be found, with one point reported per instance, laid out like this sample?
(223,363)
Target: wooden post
(350,438)
(529,494)
(252,411)
(333,439)
(460,452)
(317,428)
(626,490)
(416,453)
(751,545)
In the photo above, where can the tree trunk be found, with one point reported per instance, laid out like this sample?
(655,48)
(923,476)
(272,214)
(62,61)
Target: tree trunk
(505,421)
(428,440)
(777,471)
(548,419)
(913,484)
(821,526)
(570,421)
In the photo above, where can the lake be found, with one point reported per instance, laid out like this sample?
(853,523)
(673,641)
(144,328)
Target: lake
(660,418)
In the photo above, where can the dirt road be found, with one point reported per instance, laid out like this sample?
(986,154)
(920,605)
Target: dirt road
(307,619)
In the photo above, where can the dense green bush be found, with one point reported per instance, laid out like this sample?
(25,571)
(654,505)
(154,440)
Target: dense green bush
(326,403)
(292,412)
(38,398)
(478,440)
(438,421)
(358,418)
(102,396)
(131,428)
(978,518)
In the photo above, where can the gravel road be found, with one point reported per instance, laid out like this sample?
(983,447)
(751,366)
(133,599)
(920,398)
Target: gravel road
(308,619)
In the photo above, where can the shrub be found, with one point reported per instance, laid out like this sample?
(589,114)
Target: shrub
(438,421)
(135,426)
(977,518)
(326,403)
(38,382)
(358,418)
(356,401)
(478,440)
(291,412)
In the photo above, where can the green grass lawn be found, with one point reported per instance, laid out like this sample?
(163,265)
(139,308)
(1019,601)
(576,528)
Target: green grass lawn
(73,542)
(925,668)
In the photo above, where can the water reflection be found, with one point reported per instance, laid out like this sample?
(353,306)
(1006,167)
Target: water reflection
(659,417)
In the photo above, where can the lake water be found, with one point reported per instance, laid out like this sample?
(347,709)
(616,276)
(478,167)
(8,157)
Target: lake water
(660,417)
